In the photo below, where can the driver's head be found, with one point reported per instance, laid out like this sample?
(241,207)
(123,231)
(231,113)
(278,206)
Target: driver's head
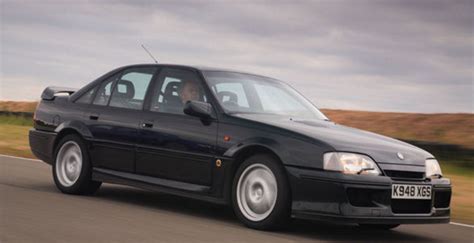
(189,91)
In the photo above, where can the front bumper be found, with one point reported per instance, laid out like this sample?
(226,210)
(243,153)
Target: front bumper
(339,198)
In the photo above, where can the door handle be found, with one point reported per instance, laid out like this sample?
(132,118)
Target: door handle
(94,117)
(147,124)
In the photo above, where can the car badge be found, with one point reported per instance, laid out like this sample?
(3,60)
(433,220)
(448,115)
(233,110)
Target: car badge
(218,163)
(400,156)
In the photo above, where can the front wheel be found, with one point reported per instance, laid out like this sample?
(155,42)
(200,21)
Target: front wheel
(72,170)
(261,195)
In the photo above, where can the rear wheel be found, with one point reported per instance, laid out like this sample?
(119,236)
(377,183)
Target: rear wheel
(72,170)
(379,226)
(261,195)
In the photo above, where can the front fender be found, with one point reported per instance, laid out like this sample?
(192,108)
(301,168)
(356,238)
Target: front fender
(291,151)
(267,143)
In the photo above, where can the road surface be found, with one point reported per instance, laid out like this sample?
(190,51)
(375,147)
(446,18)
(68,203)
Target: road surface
(33,210)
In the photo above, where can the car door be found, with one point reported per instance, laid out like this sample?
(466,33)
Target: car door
(114,118)
(173,145)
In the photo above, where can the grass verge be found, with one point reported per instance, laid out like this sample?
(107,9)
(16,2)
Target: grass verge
(15,140)
(16,120)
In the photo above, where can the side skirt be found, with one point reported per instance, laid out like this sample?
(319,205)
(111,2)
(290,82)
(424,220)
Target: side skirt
(173,187)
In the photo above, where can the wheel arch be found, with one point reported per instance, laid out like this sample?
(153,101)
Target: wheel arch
(67,128)
(245,150)
(259,144)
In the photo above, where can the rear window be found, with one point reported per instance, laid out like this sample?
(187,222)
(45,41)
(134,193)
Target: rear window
(104,91)
(86,98)
(130,89)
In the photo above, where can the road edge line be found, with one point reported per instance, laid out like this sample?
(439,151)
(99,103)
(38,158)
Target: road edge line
(16,157)
(460,224)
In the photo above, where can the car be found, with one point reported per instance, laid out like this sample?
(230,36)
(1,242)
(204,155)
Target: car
(234,138)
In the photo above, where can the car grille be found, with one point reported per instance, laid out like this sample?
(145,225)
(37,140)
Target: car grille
(442,199)
(410,175)
(410,206)
(362,197)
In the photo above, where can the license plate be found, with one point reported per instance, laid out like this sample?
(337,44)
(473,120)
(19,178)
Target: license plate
(403,191)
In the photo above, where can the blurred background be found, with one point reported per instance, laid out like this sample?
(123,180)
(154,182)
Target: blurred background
(399,68)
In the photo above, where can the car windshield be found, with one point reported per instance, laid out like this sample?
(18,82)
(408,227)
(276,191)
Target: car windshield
(246,93)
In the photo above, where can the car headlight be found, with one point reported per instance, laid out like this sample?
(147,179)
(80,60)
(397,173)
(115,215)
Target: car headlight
(350,163)
(432,168)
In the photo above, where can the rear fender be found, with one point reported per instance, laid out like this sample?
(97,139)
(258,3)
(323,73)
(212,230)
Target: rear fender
(77,126)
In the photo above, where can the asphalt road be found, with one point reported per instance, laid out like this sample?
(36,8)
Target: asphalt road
(33,210)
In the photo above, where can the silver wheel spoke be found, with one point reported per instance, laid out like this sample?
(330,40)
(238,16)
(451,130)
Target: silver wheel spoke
(69,163)
(256,192)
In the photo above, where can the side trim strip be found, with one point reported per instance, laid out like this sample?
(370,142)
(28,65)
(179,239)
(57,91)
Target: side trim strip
(157,184)
(154,180)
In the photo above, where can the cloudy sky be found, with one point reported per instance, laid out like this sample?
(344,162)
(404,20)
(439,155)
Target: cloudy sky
(411,56)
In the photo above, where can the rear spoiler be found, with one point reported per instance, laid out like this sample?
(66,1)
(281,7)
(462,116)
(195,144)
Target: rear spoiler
(51,92)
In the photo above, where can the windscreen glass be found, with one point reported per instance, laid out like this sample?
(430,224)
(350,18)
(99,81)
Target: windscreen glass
(246,93)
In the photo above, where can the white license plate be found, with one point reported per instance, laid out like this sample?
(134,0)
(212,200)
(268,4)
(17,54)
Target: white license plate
(403,191)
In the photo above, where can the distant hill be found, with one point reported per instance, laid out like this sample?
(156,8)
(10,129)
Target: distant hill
(18,106)
(456,129)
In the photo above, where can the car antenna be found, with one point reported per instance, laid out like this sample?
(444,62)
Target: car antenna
(149,53)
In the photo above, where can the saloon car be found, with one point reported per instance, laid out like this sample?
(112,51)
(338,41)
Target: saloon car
(230,137)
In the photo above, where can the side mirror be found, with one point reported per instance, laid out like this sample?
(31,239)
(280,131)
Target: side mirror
(199,109)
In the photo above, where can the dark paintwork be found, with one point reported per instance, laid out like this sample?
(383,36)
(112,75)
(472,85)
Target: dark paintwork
(177,153)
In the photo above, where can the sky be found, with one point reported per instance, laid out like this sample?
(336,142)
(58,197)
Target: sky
(401,56)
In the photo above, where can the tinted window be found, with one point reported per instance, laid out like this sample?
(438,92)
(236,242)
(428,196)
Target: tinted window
(104,91)
(270,97)
(232,93)
(175,87)
(87,97)
(130,89)
(246,93)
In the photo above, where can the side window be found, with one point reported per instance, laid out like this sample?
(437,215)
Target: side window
(231,94)
(175,87)
(86,98)
(104,91)
(131,87)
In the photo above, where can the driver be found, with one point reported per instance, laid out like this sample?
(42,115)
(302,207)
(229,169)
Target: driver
(189,91)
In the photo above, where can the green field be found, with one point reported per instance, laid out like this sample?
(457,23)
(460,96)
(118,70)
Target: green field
(458,166)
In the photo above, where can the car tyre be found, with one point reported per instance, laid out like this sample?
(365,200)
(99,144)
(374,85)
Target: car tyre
(261,193)
(72,170)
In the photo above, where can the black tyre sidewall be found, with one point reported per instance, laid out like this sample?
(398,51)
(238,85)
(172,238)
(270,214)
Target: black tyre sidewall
(84,184)
(281,212)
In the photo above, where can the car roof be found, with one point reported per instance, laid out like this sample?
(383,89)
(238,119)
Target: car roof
(196,67)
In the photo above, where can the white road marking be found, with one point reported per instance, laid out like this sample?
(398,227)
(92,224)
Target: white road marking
(15,157)
(459,224)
